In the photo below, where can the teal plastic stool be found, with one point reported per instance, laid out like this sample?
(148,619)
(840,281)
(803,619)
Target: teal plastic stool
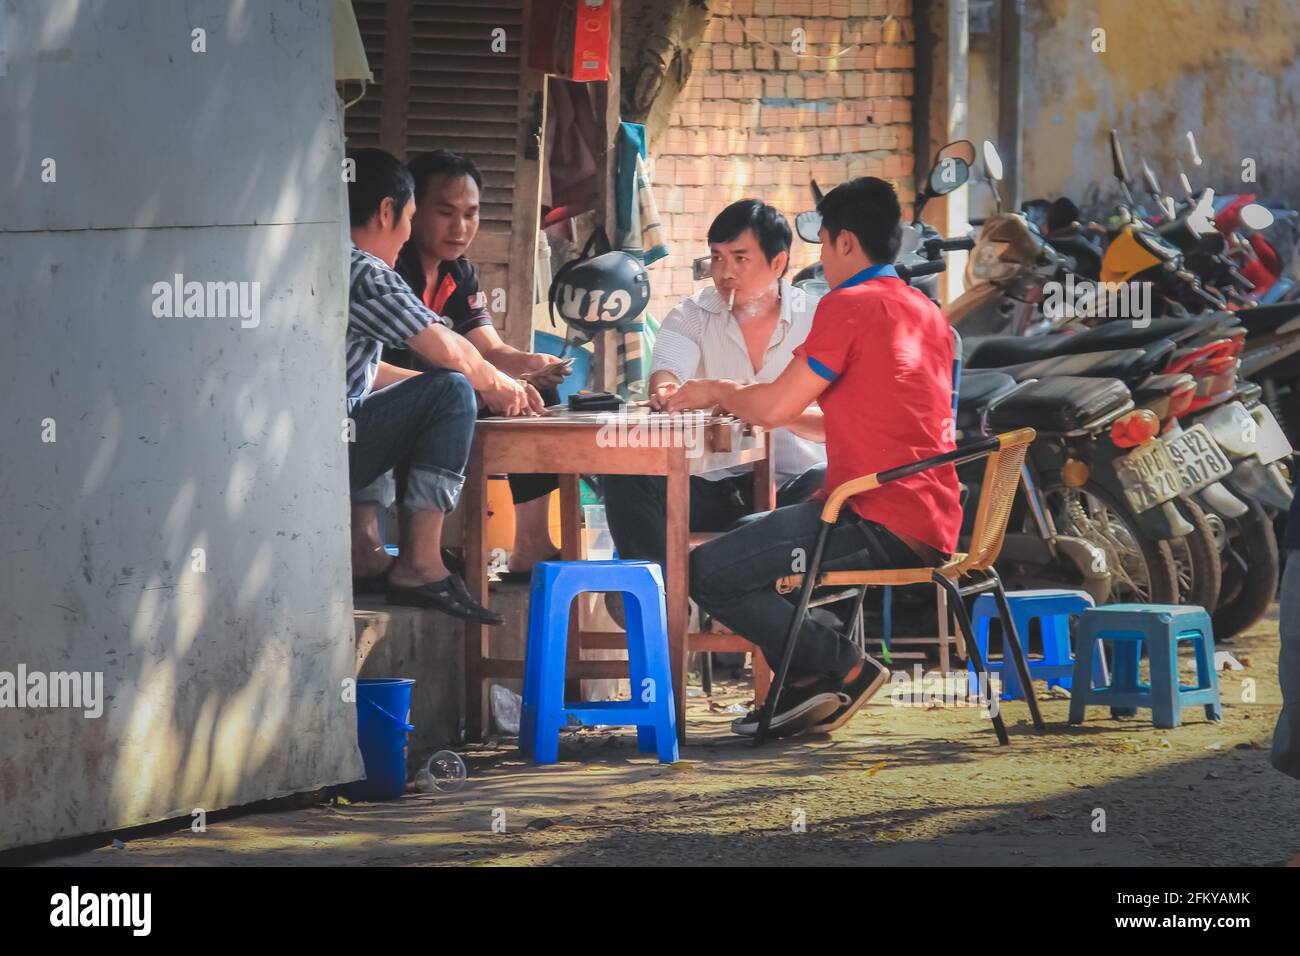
(545,712)
(1162,627)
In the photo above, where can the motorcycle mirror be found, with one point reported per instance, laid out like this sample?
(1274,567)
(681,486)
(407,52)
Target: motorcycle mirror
(911,239)
(1256,216)
(809,226)
(1149,177)
(1184,181)
(962,149)
(947,175)
(1191,146)
(1201,219)
(702,268)
(1117,158)
(992,161)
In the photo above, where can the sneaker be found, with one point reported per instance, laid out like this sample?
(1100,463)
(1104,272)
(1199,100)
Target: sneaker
(873,676)
(801,708)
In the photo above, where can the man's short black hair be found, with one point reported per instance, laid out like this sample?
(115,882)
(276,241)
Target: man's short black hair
(441,162)
(379,176)
(867,207)
(769,226)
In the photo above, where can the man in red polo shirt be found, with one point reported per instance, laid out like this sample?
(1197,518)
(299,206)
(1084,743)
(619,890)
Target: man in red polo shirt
(878,366)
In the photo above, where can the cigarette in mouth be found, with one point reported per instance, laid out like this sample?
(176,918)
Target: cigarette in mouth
(731,300)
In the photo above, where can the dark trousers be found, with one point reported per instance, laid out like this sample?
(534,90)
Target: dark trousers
(732,578)
(636,507)
(1285,755)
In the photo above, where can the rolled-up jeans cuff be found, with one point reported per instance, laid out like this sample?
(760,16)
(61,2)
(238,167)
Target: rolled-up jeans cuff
(382,491)
(432,489)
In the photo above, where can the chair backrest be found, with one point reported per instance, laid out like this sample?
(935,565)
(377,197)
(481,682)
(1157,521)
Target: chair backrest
(997,493)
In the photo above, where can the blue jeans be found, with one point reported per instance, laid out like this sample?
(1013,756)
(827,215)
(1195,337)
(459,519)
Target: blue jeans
(412,442)
(1286,737)
(732,578)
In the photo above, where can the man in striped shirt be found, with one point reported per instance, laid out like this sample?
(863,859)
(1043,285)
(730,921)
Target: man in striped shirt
(418,425)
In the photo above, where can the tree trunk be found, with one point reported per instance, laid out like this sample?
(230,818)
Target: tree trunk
(659,40)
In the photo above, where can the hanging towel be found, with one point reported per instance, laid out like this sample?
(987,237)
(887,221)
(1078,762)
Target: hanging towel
(639,232)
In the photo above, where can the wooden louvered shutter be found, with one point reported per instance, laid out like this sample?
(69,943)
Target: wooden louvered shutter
(440,85)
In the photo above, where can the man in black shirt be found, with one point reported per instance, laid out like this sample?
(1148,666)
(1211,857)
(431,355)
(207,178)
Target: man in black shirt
(447,196)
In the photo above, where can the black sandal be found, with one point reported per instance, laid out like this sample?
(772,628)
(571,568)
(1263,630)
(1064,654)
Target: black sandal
(449,596)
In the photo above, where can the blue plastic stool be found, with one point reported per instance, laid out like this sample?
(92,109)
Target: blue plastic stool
(1053,608)
(545,712)
(1162,627)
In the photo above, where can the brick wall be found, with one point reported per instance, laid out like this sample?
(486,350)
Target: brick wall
(757,120)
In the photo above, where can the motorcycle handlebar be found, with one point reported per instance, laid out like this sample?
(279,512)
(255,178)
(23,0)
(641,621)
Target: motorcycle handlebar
(907,273)
(965,243)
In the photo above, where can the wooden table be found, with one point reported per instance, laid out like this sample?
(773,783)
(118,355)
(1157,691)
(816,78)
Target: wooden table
(568,444)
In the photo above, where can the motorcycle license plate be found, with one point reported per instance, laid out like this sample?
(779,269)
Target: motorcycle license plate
(1148,476)
(1271,441)
(1199,458)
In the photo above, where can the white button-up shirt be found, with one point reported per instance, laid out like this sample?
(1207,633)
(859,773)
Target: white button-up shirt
(701,339)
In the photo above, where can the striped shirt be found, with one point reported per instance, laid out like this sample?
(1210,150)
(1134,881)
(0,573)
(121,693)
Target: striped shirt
(382,310)
(700,339)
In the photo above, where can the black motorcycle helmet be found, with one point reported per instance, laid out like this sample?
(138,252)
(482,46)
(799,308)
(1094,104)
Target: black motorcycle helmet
(606,293)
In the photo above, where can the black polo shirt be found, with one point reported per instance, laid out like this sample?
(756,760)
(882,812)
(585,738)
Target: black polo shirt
(454,295)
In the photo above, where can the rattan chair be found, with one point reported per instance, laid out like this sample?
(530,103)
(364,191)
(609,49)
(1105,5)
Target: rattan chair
(1006,453)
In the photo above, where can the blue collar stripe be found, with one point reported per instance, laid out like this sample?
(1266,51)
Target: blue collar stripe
(871,272)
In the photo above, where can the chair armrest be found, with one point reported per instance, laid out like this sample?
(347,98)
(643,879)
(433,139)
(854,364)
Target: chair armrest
(965,452)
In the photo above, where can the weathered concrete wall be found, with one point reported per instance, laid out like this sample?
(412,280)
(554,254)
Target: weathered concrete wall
(1230,72)
(222,672)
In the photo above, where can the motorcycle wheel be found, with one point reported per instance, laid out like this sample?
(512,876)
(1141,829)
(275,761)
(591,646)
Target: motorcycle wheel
(1196,558)
(1142,569)
(1250,570)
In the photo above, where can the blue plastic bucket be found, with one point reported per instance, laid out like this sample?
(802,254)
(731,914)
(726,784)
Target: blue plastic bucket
(382,706)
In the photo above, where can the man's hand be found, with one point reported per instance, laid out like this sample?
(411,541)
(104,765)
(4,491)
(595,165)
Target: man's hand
(660,394)
(536,404)
(544,370)
(506,396)
(700,393)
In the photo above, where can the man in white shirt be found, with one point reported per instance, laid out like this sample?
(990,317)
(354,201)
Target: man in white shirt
(745,328)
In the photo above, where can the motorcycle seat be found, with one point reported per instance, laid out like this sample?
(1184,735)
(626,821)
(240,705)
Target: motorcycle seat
(1130,366)
(976,392)
(997,350)
(1267,319)
(1060,405)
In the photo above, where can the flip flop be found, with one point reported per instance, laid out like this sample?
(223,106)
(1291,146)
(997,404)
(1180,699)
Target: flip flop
(449,596)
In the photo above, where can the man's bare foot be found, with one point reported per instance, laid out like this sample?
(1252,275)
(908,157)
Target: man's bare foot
(405,575)
(523,563)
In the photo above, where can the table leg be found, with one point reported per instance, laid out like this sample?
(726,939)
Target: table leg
(677,578)
(473,502)
(764,479)
(571,550)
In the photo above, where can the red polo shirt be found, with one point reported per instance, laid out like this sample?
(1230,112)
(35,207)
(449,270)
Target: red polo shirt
(887,351)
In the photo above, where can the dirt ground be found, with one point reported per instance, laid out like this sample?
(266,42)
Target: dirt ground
(897,786)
